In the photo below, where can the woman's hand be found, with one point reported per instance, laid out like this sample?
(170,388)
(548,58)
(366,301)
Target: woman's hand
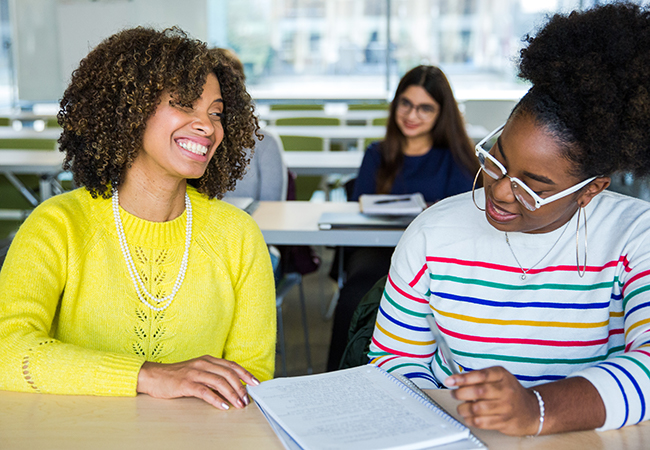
(211,379)
(494,399)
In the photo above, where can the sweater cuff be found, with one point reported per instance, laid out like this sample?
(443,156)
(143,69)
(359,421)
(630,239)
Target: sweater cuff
(117,375)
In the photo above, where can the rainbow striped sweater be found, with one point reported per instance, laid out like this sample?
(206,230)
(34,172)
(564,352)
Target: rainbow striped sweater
(554,324)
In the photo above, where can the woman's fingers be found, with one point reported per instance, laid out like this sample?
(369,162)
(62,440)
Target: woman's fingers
(216,381)
(493,398)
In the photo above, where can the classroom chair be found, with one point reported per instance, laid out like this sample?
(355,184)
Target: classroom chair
(28,144)
(368,106)
(52,122)
(297,107)
(284,286)
(307,185)
(309,121)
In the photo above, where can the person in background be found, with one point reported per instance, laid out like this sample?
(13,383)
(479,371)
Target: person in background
(426,150)
(548,324)
(266,176)
(140,281)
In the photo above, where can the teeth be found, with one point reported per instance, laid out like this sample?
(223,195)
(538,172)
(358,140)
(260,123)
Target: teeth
(194,147)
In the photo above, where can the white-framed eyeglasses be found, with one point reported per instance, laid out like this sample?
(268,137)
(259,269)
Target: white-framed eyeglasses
(524,195)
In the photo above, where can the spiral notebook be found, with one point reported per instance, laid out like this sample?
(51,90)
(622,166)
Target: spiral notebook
(360,408)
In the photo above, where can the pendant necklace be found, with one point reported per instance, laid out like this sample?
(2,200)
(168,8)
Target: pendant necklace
(140,288)
(525,271)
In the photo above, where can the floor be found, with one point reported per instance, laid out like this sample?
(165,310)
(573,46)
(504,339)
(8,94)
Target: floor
(319,289)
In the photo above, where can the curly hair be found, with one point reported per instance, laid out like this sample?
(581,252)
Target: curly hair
(117,88)
(591,75)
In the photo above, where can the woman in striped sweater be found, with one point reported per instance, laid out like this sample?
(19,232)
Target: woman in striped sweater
(549,335)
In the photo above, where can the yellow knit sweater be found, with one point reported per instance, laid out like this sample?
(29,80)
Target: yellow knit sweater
(70,318)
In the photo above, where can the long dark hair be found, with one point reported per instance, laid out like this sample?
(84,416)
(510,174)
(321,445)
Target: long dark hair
(448,131)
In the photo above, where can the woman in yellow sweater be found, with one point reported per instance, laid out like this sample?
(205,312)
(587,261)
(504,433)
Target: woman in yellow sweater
(141,282)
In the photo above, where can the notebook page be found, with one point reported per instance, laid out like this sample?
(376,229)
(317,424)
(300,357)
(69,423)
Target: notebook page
(359,408)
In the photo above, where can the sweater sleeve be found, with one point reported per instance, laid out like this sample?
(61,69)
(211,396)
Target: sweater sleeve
(623,381)
(32,281)
(365,182)
(251,341)
(402,341)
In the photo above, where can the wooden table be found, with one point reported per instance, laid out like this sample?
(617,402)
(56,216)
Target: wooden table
(33,421)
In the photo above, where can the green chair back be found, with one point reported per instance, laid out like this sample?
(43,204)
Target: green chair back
(52,122)
(380,121)
(302,143)
(368,106)
(305,184)
(311,121)
(297,107)
(308,121)
(28,144)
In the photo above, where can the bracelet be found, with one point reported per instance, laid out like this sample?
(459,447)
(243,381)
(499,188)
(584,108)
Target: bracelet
(541,412)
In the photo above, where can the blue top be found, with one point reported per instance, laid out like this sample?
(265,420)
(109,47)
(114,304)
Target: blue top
(435,174)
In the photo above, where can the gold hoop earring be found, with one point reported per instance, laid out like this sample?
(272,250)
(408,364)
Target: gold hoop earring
(474,188)
(584,269)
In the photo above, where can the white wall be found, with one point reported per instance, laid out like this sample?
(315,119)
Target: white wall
(52,36)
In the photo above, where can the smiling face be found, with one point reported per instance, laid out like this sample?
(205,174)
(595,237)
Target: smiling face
(416,112)
(531,154)
(179,141)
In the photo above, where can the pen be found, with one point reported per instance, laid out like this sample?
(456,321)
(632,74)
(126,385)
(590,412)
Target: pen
(392,200)
(442,344)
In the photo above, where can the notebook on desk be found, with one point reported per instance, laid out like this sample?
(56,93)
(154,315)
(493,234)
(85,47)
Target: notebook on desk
(360,408)
(334,220)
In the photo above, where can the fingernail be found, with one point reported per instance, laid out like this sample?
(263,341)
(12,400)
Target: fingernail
(240,403)
(256,382)
(225,406)
(449,381)
(245,399)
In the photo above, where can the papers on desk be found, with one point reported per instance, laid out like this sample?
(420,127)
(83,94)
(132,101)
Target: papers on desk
(392,205)
(360,408)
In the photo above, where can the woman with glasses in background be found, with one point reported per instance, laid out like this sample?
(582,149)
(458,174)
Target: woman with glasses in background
(548,321)
(426,150)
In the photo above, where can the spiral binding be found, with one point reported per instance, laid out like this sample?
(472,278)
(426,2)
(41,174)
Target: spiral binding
(410,387)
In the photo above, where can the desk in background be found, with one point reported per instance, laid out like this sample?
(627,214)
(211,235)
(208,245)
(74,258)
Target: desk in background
(347,133)
(296,223)
(331,133)
(29,421)
(45,163)
(323,163)
(366,116)
(48,133)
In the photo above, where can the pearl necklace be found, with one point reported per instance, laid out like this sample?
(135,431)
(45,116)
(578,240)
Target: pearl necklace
(140,288)
(525,271)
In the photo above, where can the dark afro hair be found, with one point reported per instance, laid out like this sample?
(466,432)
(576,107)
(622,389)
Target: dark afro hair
(591,74)
(117,88)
